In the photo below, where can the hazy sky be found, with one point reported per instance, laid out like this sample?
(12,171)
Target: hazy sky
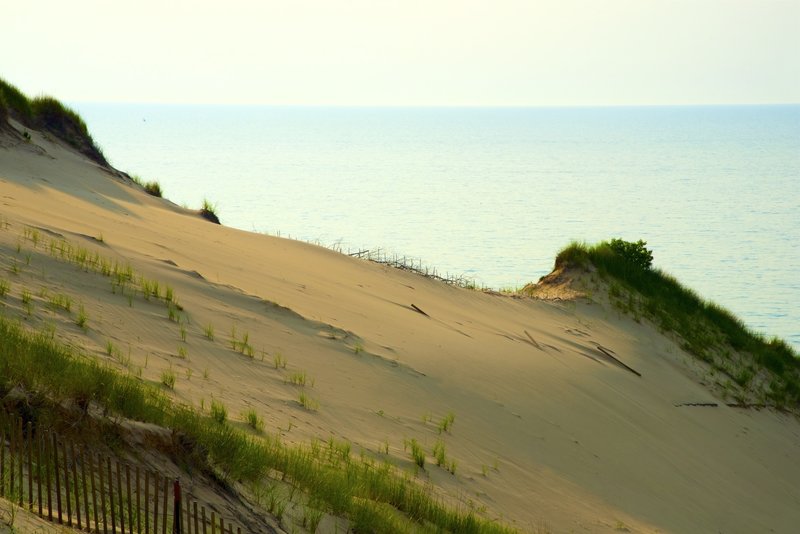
(406,52)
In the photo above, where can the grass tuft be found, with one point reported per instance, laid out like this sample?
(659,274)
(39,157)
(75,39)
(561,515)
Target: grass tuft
(254,421)
(209,211)
(168,378)
(153,188)
(219,412)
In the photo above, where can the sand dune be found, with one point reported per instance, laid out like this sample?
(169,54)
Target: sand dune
(552,429)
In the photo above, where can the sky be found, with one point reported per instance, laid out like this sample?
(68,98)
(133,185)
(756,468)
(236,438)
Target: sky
(406,52)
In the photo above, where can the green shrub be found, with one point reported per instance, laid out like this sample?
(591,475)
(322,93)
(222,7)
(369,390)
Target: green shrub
(634,253)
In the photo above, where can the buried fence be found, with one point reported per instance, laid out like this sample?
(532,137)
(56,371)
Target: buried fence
(78,488)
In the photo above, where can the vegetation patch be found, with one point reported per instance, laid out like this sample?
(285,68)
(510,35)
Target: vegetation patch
(48,114)
(153,188)
(209,211)
(708,331)
(374,497)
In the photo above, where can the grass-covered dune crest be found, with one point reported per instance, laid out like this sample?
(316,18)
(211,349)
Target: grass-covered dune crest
(48,114)
(767,368)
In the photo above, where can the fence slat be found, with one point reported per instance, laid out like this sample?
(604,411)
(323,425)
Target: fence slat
(66,483)
(121,500)
(85,491)
(57,473)
(213,523)
(138,504)
(94,495)
(12,443)
(111,506)
(49,479)
(130,501)
(188,509)
(30,466)
(204,520)
(102,493)
(76,485)
(166,510)
(196,530)
(177,508)
(147,502)
(155,504)
(2,459)
(20,460)
(39,462)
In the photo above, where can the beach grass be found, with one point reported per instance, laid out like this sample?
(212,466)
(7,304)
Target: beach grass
(370,496)
(209,211)
(706,329)
(47,113)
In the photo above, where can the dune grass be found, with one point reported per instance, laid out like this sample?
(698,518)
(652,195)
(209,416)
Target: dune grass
(153,188)
(209,211)
(708,330)
(369,495)
(15,102)
(47,113)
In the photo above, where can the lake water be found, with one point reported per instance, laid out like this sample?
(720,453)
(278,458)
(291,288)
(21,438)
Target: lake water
(494,193)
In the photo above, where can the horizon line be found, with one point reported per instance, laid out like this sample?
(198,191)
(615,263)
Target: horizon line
(431,106)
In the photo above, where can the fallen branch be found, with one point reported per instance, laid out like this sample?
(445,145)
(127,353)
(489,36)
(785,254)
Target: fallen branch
(416,309)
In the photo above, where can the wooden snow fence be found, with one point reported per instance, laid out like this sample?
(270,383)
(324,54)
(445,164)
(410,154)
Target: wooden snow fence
(73,486)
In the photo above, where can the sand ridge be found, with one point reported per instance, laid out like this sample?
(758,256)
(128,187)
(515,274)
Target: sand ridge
(549,432)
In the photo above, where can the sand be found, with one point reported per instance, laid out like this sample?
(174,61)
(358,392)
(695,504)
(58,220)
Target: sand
(550,433)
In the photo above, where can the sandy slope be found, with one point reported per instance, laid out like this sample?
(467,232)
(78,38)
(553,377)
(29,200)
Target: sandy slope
(547,433)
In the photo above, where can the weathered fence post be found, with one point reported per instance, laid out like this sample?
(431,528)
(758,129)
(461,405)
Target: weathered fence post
(48,480)
(58,479)
(39,461)
(85,491)
(94,495)
(30,466)
(111,497)
(166,510)
(66,482)
(2,459)
(75,485)
(21,452)
(147,502)
(176,507)
(138,504)
(155,503)
(130,500)
(102,494)
(121,500)
(188,517)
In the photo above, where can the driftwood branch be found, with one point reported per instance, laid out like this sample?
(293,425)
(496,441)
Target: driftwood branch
(418,310)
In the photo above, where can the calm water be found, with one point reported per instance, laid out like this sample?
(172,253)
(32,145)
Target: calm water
(495,193)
